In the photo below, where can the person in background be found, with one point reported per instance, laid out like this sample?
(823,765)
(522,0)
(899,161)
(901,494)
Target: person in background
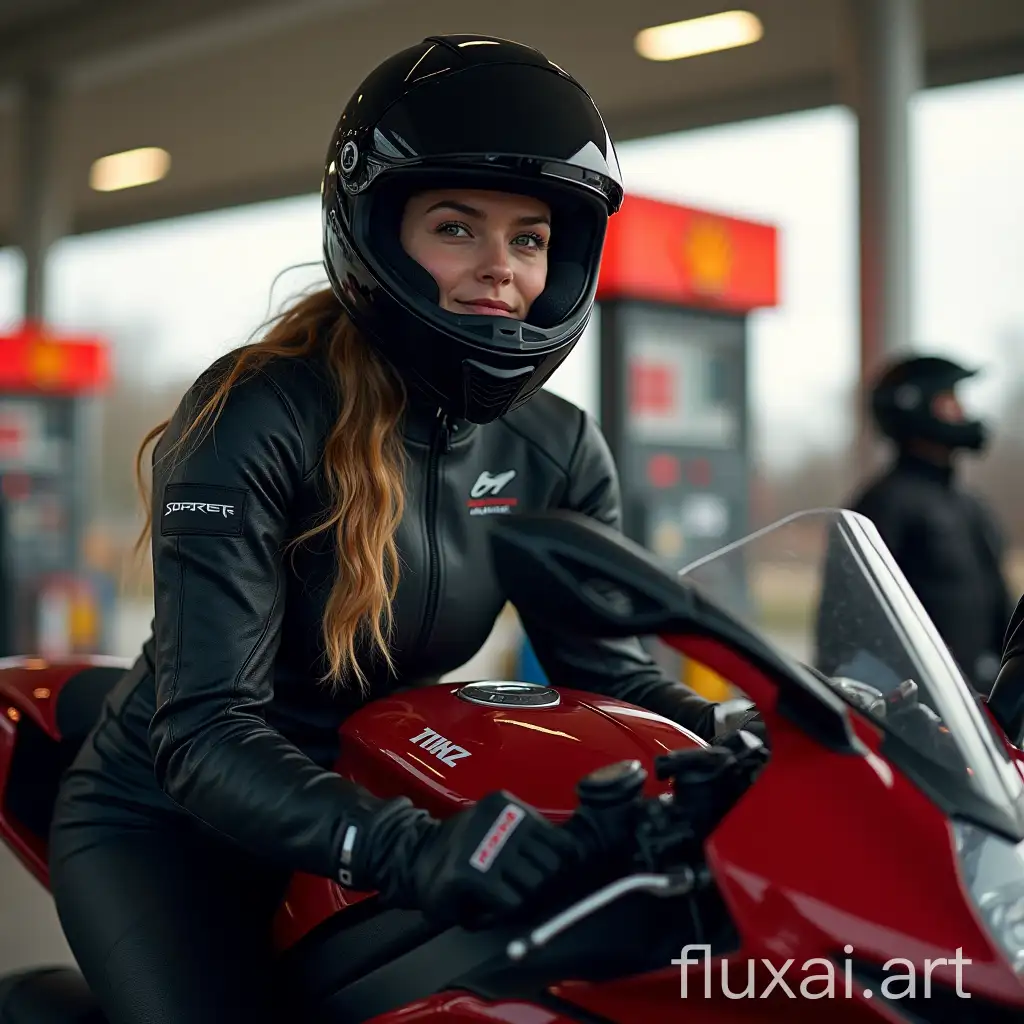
(944,539)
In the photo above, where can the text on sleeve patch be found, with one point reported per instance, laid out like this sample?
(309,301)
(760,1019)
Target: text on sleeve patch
(202,509)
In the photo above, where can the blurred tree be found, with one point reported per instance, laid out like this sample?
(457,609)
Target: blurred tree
(127,416)
(137,402)
(825,478)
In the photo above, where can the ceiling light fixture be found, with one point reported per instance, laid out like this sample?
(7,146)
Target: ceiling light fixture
(129,169)
(695,36)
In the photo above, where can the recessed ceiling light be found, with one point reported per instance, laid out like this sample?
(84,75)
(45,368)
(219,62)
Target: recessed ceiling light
(699,35)
(129,169)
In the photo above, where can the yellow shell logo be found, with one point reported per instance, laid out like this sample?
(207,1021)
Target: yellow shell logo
(46,363)
(709,255)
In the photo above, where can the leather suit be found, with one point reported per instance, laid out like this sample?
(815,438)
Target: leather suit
(222,731)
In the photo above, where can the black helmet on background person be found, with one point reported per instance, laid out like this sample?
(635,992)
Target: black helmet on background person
(467,111)
(906,402)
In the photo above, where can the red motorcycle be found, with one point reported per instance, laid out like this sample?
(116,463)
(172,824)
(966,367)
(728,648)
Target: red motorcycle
(872,859)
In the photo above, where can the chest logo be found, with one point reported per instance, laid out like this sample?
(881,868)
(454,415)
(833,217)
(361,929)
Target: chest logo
(485,497)
(443,749)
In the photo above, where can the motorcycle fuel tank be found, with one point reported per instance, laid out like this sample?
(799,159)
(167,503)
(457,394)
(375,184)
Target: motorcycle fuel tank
(448,745)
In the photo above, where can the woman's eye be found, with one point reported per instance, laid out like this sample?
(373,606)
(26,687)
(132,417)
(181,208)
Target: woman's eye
(531,240)
(451,228)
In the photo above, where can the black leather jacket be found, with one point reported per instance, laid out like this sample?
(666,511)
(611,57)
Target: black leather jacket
(224,702)
(950,549)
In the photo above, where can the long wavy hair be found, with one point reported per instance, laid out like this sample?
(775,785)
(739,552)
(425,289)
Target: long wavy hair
(363,466)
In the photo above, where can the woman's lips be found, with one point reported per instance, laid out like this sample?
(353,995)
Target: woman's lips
(488,307)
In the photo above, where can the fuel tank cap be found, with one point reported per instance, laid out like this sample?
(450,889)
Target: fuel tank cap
(500,693)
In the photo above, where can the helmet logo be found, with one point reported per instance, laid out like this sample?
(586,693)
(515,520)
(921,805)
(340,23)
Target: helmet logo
(349,157)
(907,396)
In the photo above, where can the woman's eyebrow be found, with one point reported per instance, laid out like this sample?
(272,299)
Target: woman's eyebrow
(450,204)
(472,211)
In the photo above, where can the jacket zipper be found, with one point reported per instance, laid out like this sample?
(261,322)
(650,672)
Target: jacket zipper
(442,441)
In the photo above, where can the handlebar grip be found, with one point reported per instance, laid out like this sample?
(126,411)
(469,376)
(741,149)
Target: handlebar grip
(613,785)
(609,798)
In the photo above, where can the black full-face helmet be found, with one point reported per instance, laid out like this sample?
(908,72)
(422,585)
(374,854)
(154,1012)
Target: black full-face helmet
(464,111)
(907,402)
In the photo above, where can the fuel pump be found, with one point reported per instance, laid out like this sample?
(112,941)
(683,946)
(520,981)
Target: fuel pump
(47,381)
(676,288)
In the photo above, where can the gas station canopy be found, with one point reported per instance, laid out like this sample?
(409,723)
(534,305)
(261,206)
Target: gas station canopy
(243,94)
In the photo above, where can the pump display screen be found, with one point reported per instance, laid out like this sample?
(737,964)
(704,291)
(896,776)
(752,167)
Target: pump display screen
(682,380)
(677,405)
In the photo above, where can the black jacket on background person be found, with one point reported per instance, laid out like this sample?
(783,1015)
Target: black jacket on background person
(950,549)
(223,716)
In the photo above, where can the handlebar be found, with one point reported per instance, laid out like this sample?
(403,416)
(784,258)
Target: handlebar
(678,884)
(658,839)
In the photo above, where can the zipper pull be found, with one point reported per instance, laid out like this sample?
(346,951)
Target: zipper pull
(446,431)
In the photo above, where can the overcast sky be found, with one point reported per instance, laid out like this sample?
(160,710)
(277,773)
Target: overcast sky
(195,287)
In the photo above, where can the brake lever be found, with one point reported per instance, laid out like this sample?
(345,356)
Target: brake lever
(679,883)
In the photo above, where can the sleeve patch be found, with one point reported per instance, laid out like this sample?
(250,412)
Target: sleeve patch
(202,509)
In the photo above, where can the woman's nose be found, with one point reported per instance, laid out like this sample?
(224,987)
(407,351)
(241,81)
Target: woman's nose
(494,265)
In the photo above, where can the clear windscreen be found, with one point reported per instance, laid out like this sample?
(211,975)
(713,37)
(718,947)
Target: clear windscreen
(822,586)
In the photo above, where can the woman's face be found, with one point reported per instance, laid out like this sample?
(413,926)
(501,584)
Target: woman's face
(487,251)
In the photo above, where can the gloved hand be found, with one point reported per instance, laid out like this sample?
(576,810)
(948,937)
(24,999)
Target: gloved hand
(732,716)
(490,859)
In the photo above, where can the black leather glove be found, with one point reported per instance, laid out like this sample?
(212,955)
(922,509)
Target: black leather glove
(732,717)
(754,724)
(488,860)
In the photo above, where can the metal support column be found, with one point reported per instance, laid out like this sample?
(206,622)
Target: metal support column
(43,206)
(884,69)
(44,209)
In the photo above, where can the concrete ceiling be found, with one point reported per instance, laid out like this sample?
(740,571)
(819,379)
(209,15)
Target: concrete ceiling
(244,93)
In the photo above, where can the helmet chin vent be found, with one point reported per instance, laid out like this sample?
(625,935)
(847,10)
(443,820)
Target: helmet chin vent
(490,389)
(485,330)
(520,332)
(533,337)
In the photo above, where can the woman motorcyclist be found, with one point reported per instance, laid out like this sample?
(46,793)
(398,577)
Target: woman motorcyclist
(319,523)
